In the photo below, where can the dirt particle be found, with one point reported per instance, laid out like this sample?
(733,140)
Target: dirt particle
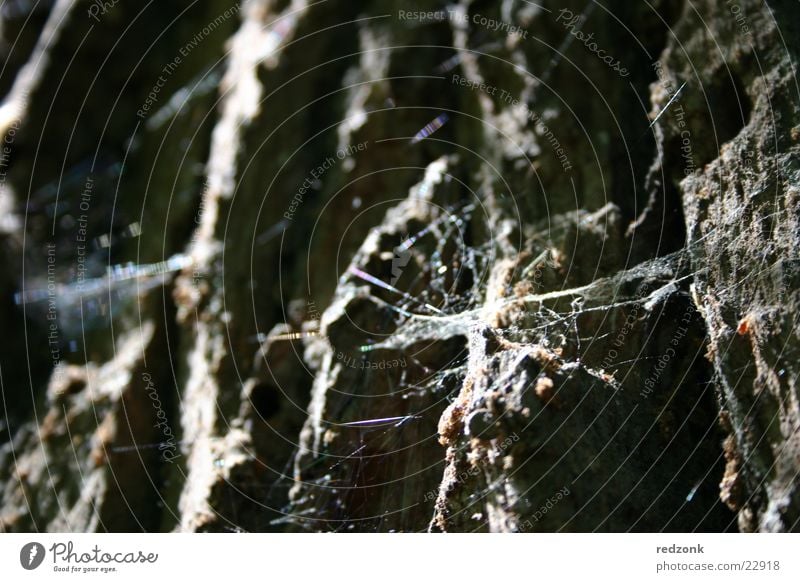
(545,390)
(746,325)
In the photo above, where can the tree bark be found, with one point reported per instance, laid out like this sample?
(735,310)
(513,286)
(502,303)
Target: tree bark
(509,267)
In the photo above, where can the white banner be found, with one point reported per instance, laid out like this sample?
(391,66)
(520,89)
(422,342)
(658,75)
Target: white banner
(357,557)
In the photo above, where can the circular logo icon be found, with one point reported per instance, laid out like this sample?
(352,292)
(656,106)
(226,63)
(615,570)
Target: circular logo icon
(31,555)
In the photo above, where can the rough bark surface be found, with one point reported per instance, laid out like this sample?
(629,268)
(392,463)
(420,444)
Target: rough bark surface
(571,307)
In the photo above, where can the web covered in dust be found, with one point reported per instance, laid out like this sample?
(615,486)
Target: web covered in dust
(457,295)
